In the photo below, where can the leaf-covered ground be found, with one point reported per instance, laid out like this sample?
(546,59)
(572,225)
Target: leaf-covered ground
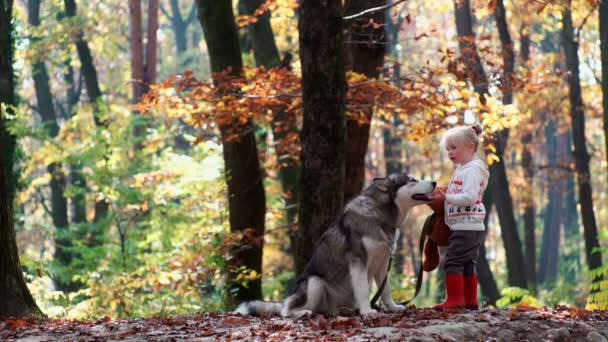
(557,324)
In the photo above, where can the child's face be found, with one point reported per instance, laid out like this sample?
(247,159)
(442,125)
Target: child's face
(460,152)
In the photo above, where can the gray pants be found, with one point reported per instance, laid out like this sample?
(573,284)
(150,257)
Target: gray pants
(463,250)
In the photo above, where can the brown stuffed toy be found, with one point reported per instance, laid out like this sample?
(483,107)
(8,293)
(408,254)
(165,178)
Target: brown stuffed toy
(437,232)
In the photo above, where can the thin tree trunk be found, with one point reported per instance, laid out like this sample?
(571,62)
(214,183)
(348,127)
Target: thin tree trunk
(266,54)
(392,143)
(87,68)
(144,60)
(572,233)
(603,18)
(498,183)
(486,279)
(527,165)
(548,270)
(151,44)
(581,156)
(15,298)
(260,33)
(179,24)
(366,47)
(324,128)
(246,197)
(78,202)
(59,207)
(136,49)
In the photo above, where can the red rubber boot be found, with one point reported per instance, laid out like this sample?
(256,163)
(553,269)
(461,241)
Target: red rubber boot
(454,285)
(470,292)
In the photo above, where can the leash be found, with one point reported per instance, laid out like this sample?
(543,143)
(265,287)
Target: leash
(425,229)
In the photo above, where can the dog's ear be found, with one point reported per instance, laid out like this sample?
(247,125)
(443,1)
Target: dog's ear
(381,183)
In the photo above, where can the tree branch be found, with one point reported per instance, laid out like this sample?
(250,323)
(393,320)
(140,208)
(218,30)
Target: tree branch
(191,15)
(580,27)
(165,13)
(372,10)
(44,206)
(176,12)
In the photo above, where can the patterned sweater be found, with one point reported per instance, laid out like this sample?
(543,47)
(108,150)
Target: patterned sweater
(464,209)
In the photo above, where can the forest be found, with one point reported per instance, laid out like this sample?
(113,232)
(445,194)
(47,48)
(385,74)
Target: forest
(163,157)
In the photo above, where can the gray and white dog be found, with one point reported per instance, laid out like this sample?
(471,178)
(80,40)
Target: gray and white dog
(353,252)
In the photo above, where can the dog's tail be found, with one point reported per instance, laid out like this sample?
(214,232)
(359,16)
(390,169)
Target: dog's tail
(258,307)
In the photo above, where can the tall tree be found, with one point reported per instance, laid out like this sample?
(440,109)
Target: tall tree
(15,298)
(266,54)
(144,59)
(527,165)
(392,142)
(603,18)
(554,211)
(324,127)
(366,47)
(179,24)
(498,183)
(572,254)
(487,283)
(260,33)
(46,109)
(74,88)
(581,156)
(87,68)
(246,197)
(508,54)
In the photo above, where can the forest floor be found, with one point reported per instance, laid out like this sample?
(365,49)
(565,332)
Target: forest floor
(555,324)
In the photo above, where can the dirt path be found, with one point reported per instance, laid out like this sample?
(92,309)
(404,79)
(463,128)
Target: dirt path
(558,324)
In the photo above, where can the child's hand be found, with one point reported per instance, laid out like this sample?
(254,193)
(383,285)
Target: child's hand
(439,192)
(437,198)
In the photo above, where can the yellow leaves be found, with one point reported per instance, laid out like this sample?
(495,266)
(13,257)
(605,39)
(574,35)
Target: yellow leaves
(491,158)
(141,180)
(498,116)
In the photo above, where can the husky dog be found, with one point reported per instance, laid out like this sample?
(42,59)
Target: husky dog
(354,251)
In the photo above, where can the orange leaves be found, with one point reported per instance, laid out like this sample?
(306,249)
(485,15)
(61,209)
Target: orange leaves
(273,97)
(491,5)
(269,5)
(142,180)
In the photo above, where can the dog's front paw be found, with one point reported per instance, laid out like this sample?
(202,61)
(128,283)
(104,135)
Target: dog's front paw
(368,312)
(395,308)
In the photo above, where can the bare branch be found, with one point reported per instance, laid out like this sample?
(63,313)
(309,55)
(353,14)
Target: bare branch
(191,15)
(580,27)
(164,10)
(372,10)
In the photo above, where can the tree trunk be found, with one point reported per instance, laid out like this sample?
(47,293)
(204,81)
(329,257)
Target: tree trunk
(581,156)
(137,49)
(498,183)
(179,25)
(87,68)
(392,143)
(143,67)
(78,202)
(151,44)
(324,128)
(572,232)
(260,33)
(603,18)
(366,47)
(548,270)
(527,165)
(487,283)
(15,298)
(266,54)
(243,171)
(59,206)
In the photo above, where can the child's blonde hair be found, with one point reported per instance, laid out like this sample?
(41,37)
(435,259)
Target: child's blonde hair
(459,134)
